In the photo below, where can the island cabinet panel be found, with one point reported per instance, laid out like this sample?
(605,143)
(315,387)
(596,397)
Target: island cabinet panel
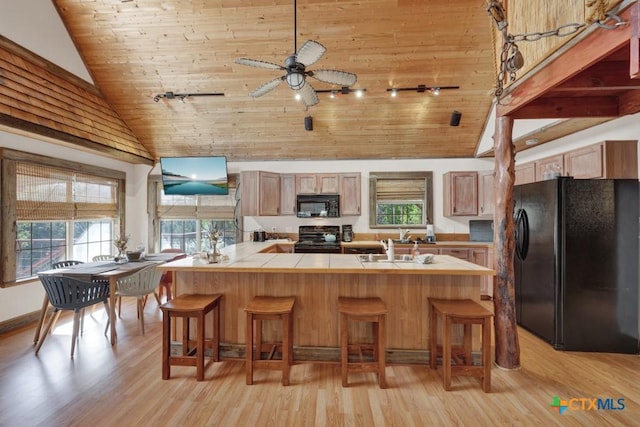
(316,323)
(460,193)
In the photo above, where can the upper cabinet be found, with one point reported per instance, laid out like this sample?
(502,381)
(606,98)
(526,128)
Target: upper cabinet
(486,200)
(460,193)
(287,194)
(525,173)
(318,183)
(608,159)
(260,193)
(350,194)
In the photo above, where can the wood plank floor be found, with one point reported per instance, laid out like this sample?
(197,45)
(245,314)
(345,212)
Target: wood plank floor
(122,386)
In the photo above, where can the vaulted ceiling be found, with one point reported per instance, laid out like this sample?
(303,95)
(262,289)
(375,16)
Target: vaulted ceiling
(137,50)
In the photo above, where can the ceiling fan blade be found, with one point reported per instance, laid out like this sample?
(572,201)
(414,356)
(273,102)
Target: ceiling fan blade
(267,87)
(259,64)
(335,77)
(310,52)
(308,95)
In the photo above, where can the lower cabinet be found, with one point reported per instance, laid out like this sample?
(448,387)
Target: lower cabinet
(480,256)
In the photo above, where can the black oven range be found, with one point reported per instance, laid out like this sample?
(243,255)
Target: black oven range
(322,239)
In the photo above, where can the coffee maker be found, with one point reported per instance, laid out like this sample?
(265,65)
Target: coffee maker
(347,233)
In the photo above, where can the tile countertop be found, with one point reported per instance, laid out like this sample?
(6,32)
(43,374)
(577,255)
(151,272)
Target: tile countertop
(438,244)
(246,257)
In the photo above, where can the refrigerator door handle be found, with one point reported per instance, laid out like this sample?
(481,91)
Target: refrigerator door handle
(522,234)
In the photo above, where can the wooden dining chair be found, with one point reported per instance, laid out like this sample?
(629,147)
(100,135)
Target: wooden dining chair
(67,293)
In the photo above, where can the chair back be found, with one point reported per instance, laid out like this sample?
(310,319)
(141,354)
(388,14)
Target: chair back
(67,293)
(103,258)
(142,282)
(65,263)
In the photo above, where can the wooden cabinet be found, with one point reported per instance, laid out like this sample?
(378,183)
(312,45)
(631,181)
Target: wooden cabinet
(525,173)
(287,194)
(608,159)
(460,193)
(350,194)
(260,193)
(486,200)
(462,253)
(484,257)
(549,164)
(322,183)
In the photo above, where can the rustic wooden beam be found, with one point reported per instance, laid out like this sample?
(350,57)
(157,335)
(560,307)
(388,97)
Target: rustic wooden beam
(629,103)
(606,75)
(634,59)
(594,47)
(507,354)
(569,107)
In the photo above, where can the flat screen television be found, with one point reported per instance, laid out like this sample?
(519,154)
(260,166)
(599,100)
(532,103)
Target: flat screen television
(188,176)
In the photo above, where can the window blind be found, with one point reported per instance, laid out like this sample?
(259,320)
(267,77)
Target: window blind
(400,189)
(45,193)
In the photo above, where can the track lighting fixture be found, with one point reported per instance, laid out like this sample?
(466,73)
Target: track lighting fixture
(344,90)
(434,90)
(181,96)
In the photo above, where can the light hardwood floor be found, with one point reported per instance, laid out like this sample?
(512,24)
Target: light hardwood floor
(122,386)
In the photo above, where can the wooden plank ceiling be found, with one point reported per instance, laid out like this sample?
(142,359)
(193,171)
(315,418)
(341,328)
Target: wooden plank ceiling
(138,49)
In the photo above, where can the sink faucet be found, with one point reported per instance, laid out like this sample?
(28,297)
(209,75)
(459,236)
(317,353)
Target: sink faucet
(403,234)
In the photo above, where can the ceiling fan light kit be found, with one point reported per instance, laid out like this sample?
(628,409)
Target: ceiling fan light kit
(295,67)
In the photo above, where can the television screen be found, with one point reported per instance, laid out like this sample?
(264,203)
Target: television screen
(187,176)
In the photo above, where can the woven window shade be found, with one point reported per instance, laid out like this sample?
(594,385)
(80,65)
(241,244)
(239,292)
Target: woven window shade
(201,207)
(44,193)
(400,189)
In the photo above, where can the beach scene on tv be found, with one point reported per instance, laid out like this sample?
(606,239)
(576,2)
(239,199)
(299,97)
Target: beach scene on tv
(194,175)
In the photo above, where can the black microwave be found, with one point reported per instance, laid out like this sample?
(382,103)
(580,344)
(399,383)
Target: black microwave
(318,205)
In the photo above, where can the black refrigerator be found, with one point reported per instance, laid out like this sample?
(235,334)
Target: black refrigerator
(576,264)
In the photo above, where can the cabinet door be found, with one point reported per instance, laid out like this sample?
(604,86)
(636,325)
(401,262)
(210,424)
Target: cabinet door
(485,193)
(460,194)
(328,183)
(269,188)
(525,173)
(287,194)
(585,162)
(462,253)
(350,196)
(481,257)
(306,183)
(549,164)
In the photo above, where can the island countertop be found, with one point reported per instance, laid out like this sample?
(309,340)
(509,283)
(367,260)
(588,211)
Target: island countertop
(247,257)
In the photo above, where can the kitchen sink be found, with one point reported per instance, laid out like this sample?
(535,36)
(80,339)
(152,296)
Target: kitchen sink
(383,258)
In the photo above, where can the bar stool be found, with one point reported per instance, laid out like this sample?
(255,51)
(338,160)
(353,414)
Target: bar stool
(371,310)
(468,313)
(269,308)
(188,306)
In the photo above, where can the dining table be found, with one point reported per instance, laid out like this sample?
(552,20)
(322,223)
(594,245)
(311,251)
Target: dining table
(110,271)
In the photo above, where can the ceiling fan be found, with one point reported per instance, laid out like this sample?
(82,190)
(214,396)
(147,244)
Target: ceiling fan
(296,72)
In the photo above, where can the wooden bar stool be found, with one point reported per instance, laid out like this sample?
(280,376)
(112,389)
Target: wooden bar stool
(188,306)
(269,308)
(371,310)
(468,313)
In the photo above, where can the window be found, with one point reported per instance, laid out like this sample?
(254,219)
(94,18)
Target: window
(400,199)
(183,220)
(61,210)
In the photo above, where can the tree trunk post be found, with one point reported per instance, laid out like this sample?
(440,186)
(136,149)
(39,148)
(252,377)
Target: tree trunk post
(506,332)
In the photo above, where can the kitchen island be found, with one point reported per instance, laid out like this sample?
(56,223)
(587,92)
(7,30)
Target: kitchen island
(317,280)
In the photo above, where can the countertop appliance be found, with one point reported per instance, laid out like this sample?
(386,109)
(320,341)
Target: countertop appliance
(318,239)
(347,233)
(314,205)
(576,264)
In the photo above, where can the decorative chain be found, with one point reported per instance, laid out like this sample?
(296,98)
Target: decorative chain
(511,59)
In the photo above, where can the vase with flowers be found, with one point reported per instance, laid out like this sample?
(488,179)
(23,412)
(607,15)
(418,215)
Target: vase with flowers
(213,234)
(121,244)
